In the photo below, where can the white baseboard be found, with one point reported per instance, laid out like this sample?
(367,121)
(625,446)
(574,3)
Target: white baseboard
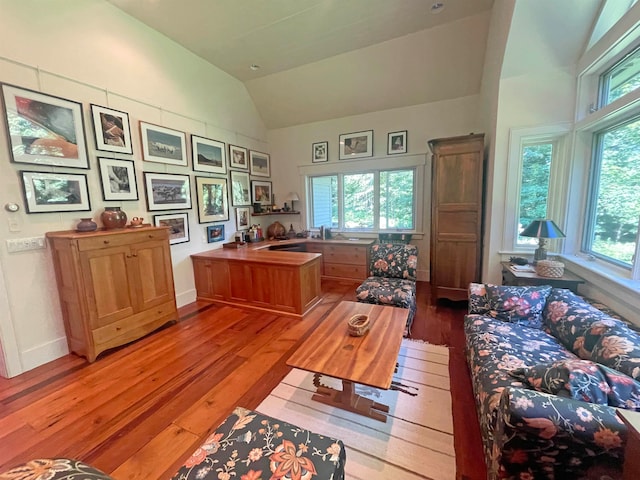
(36,356)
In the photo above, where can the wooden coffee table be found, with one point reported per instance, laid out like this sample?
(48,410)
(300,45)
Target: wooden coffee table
(368,360)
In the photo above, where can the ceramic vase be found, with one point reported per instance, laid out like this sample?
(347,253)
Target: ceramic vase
(86,225)
(113,217)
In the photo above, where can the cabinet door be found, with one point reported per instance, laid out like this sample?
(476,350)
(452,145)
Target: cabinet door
(150,273)
(108,285)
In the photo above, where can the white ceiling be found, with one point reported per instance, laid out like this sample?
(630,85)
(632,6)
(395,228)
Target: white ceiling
(324,59)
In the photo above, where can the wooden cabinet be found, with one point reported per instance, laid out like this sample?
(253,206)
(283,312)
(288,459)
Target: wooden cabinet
(456,214)
(114,286)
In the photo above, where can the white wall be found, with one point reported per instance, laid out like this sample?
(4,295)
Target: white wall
(89,51)
(292,148)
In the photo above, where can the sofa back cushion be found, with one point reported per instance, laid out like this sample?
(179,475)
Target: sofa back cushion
(583,380)
(514,304)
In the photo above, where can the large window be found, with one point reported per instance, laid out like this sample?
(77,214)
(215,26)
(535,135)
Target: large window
(364,201)
(614,208)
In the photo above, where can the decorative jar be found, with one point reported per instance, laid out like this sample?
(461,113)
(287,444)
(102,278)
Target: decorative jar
(86,225)
(113,217)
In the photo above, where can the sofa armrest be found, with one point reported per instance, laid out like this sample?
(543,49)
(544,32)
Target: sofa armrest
(550,437)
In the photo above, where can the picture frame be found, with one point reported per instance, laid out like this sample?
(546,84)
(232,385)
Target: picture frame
(178,224)
(261,192)
(260,163)
(356,145)
(111,129)
(397,142)
(213,204)
(240,189)
(46,192)
(320,152)
(44,129)
(215,233)
(208,155)
(163,145)
(118,179)
(243,218)
(238,157)
(167,191)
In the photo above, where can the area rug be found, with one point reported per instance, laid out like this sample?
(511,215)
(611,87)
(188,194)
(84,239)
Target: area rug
(417,440)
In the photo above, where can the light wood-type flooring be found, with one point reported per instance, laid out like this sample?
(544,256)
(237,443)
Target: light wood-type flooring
(139,411)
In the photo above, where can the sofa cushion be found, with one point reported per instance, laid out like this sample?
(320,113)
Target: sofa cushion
(582,380)
(517,304)
(619,348)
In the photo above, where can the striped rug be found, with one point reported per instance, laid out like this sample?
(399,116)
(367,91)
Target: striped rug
(417,440)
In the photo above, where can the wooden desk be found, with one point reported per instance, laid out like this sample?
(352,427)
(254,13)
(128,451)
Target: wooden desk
(369,360)
(631,468)
(512,277)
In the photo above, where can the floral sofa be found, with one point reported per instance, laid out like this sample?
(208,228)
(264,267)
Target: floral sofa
(548,370)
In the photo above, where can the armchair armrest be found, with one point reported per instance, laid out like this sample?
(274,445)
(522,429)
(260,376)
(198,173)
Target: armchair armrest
(555,437)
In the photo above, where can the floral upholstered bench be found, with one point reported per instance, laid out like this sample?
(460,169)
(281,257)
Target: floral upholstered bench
(251,445)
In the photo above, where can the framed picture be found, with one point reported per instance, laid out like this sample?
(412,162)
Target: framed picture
(178,224)
(261,192)
(163,145)
(260,164)
(213,205)
(208,155)
(43,129)
(356,145)
(397,142)
(242,218)
(240,189)
(55,192)
(167,191)
(112,129)
(118,179)
(238,157)
(215,233)
(319,152)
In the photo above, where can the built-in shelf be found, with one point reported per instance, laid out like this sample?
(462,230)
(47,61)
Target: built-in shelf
(274,213)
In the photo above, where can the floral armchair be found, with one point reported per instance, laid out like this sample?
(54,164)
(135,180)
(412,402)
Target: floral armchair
(392,280)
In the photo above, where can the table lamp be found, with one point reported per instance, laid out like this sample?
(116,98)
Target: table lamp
(293,197)
(542,229)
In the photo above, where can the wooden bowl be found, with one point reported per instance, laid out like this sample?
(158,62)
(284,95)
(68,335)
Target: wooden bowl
(358,325)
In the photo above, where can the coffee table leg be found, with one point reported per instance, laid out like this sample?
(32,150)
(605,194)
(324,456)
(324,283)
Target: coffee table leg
(349,400)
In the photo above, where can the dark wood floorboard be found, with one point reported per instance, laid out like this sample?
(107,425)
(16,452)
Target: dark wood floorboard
(140,410)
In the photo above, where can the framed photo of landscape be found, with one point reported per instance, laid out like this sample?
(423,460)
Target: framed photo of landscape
(166,191)
(260,164)
(356,145)
(163,145)
(208,155)
(261,192)
(118,179)
(397,142)
(240,189)
(43,129)
(55,192)
(213,205)
(112,130)
(319,152)
(238,157)
(178,224)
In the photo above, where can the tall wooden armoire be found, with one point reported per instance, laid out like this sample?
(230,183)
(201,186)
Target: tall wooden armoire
(456,214)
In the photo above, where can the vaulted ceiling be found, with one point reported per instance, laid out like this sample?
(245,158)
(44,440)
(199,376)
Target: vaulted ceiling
(324,59)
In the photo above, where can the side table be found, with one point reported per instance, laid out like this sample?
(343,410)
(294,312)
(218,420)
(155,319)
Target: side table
(517,277)
(631,467)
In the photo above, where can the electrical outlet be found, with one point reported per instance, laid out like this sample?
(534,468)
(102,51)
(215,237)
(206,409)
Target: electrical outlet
(24,244)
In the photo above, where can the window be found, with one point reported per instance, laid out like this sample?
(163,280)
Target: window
(364,201)
(614,199)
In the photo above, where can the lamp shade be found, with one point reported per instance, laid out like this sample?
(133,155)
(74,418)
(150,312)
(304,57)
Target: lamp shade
(542,229)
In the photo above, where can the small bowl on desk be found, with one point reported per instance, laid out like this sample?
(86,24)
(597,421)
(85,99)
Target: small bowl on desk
(358,325)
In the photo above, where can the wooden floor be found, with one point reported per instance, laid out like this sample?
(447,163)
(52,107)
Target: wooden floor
(139,411)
